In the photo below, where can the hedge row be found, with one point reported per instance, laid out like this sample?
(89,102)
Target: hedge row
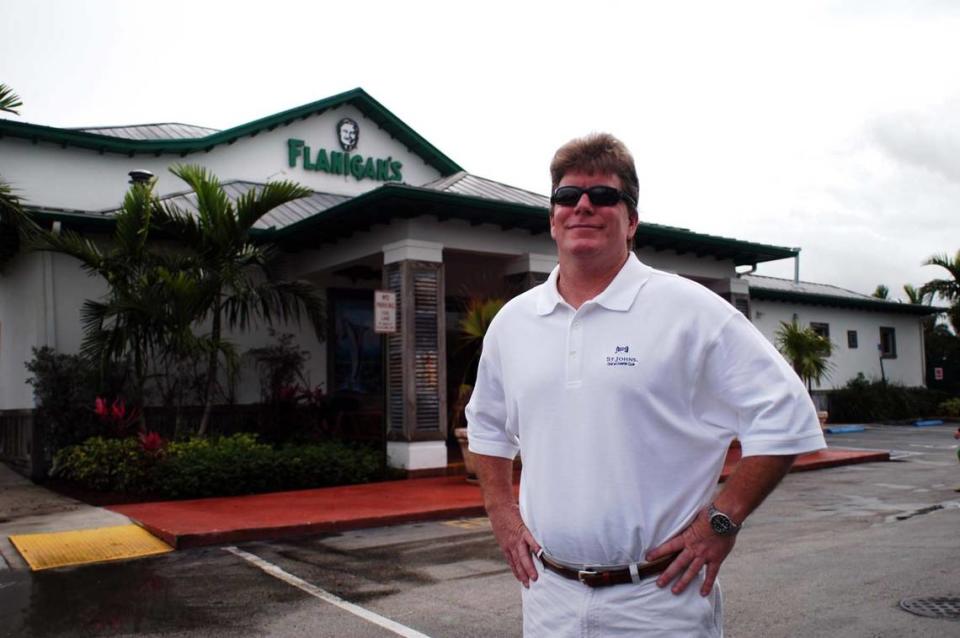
(871,401)
(222,466)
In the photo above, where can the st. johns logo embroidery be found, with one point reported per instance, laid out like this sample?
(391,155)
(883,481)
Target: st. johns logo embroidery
(620,357)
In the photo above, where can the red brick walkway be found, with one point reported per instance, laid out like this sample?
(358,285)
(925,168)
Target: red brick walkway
(215,521)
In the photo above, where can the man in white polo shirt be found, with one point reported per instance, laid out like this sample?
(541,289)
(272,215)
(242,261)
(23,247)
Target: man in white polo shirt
(622,387)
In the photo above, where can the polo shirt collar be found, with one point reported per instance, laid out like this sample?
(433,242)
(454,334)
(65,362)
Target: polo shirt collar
(618,295)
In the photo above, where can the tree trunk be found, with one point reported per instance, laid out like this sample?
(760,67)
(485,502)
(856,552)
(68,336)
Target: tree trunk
(211,373)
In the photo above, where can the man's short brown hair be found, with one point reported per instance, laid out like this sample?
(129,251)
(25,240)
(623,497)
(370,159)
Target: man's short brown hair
(597,154)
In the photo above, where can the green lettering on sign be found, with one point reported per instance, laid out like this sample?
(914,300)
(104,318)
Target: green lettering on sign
(356,167)
(293,150)
(322,164)
(337,163)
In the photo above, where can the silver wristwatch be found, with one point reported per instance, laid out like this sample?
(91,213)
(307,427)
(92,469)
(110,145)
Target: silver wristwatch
(721,524)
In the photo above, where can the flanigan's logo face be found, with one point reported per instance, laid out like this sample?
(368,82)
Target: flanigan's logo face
(348,133)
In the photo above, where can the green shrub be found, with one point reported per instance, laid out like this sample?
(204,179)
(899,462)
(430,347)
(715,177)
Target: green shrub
(950,407)
(223,466)
(105,465)
(64,387)
(868,401)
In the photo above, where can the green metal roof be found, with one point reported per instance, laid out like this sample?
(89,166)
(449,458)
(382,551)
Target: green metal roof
(391,201)
(817,299)
(359,98)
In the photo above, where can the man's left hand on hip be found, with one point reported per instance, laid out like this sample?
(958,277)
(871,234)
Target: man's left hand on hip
(698,545)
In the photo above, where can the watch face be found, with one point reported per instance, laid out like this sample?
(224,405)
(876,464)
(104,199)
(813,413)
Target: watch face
(721,524)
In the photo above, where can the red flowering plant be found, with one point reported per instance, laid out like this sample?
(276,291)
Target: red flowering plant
(115,416)
(152,443)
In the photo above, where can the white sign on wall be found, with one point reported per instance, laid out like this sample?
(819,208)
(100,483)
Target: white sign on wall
(384,311)
(938,374)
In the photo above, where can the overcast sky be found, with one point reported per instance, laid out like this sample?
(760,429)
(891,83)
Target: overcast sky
(832,126)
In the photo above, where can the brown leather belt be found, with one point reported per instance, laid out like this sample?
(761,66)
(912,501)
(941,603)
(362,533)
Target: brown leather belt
(606,576)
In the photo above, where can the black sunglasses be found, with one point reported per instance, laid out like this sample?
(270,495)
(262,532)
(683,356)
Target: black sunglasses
(599,196)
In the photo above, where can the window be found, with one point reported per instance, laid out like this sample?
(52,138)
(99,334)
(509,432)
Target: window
(852,339)
(888,343)
(822,329)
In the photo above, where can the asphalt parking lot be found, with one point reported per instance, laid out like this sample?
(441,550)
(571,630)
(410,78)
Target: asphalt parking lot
(831,553)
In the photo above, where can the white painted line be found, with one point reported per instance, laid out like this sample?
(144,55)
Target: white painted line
(316,592)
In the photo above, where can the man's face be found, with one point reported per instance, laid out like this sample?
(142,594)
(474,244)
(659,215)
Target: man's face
(586,230)
(348,135)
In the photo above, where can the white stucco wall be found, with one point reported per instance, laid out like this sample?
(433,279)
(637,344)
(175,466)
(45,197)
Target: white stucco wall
(687,264)
(906,368)
(40,299)
(22,326)
(46,174)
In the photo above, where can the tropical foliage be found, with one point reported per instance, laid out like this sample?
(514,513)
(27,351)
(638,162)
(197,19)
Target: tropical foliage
(881,292)
(916,296)
(863,401)
(146,315)
(13,221)
(947,288)
(232,282)
(9,101)
(806,351)
(160,295)
(216,466)
(478,315)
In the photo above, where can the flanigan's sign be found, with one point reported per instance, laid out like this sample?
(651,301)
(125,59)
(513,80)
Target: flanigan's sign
(343,163)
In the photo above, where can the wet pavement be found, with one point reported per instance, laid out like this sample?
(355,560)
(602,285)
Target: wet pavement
(831,553)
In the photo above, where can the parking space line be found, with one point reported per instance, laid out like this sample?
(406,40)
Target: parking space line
(316,592)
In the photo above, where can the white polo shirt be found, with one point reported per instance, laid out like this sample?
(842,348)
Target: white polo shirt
(623,410)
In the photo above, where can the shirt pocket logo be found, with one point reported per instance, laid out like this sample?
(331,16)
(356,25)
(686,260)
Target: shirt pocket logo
(621,357)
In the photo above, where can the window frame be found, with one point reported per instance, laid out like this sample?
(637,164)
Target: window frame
(853,340)
(821,328)
(892,352)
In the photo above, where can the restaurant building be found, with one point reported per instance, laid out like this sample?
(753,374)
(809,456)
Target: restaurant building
(389,211)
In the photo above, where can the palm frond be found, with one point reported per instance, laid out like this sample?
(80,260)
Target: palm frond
(182,224)
(9,101)
(257,202)
(133,221)
(72,244)
(476,320)
(215,211)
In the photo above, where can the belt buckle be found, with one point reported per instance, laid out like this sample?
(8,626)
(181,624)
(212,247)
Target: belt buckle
(582,574)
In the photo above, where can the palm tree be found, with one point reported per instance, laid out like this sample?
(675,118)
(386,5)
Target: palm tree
(806,351)
(947,289)
(144,315)
(881,292)
(235,285)
(916,297)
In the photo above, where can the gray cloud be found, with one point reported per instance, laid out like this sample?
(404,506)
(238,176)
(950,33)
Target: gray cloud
(928,140)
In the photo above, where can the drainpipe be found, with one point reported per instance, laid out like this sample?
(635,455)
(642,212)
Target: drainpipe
(49,298)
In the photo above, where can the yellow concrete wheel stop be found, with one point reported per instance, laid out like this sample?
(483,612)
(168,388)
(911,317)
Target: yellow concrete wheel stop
(80,547)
